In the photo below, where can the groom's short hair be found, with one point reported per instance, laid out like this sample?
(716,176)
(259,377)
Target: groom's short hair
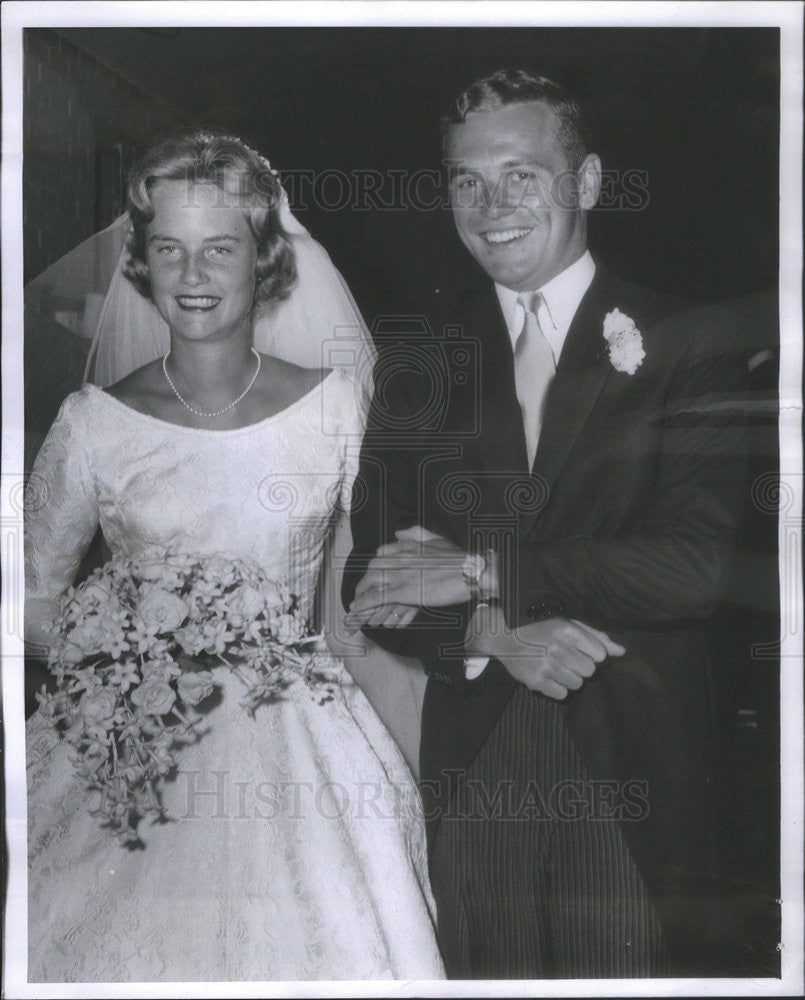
(519,86)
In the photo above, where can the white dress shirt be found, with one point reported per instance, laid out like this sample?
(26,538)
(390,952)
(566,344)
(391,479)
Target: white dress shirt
(561,297)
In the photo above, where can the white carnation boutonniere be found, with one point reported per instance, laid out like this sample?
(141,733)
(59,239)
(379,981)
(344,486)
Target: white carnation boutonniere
(625,343)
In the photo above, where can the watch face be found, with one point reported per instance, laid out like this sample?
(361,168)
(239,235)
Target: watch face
(473,567)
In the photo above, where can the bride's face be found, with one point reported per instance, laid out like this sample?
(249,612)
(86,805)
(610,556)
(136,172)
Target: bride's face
(201,255)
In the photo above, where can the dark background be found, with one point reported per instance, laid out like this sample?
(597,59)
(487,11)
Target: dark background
(695,110)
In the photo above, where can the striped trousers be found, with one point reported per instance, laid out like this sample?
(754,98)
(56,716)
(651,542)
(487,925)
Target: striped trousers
(529,868)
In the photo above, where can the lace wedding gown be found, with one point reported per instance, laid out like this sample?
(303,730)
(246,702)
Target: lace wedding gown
(296,846)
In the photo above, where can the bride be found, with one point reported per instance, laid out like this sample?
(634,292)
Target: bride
(295,847)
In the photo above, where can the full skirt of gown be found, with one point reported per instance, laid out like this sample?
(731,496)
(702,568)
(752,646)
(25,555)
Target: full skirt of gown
(295,847)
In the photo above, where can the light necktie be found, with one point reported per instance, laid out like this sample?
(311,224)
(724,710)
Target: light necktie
(534,369)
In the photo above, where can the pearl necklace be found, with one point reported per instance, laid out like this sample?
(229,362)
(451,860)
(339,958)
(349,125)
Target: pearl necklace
(215,413)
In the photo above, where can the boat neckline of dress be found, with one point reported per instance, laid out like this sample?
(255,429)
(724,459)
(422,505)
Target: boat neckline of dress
(213,430)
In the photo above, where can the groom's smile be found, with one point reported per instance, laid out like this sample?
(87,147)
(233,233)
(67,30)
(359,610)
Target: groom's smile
(512,204)
(500,237)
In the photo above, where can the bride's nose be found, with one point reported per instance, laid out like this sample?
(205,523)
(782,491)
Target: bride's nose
(194,271)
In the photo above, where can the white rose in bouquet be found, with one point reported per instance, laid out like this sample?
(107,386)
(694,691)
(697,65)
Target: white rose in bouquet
(161,610)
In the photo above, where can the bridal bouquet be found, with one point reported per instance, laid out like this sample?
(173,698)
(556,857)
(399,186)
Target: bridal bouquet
(131,659)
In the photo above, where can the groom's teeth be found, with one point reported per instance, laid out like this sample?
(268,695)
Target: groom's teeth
(505,235)
(197,302)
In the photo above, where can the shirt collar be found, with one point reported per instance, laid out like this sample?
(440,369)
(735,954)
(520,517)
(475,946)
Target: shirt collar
(562,296)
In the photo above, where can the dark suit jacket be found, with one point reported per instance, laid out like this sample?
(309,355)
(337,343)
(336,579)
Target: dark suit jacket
(626,522)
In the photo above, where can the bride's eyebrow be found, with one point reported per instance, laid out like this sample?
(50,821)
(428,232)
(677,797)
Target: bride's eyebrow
(222,238)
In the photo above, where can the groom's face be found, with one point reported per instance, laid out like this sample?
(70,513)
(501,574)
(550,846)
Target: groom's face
(518,207)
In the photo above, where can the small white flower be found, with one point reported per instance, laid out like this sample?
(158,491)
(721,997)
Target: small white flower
(153,697)
(625,343)
(244,604)
(195,686)
(288,629)
(98,706)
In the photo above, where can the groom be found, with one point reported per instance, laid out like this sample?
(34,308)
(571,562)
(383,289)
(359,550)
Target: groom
(544,516)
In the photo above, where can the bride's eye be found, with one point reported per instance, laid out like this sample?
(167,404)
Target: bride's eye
(218,251)
(168,249)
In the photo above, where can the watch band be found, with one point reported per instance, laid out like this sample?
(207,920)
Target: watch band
(471,571)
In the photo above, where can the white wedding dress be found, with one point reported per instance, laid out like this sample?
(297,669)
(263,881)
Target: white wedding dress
(296,849)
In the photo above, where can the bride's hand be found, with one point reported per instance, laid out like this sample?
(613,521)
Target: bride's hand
(419,569)
(383,616)
(553,656)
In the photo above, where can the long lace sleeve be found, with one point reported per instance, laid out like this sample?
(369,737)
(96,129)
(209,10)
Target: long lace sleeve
(60,525)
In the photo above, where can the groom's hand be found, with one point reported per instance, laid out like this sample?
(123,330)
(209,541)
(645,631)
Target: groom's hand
(419,569)
(553,656)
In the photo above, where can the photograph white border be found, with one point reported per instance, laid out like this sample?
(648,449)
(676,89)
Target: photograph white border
(16,15)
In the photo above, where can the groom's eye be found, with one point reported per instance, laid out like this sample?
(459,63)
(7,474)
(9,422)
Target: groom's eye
(527,184)
(463,182)
(465,190)
(523,177)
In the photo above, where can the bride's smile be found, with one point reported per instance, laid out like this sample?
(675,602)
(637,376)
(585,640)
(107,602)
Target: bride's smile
(201,256)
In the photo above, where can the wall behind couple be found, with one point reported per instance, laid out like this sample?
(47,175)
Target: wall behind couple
(686,122)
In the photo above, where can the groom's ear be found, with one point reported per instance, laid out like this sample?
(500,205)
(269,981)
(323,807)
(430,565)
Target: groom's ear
(589,175)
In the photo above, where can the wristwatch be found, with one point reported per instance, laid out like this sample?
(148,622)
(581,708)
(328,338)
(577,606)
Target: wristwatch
(472,569)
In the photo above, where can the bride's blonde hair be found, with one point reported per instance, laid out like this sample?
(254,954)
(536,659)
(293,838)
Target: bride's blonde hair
(206,156)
